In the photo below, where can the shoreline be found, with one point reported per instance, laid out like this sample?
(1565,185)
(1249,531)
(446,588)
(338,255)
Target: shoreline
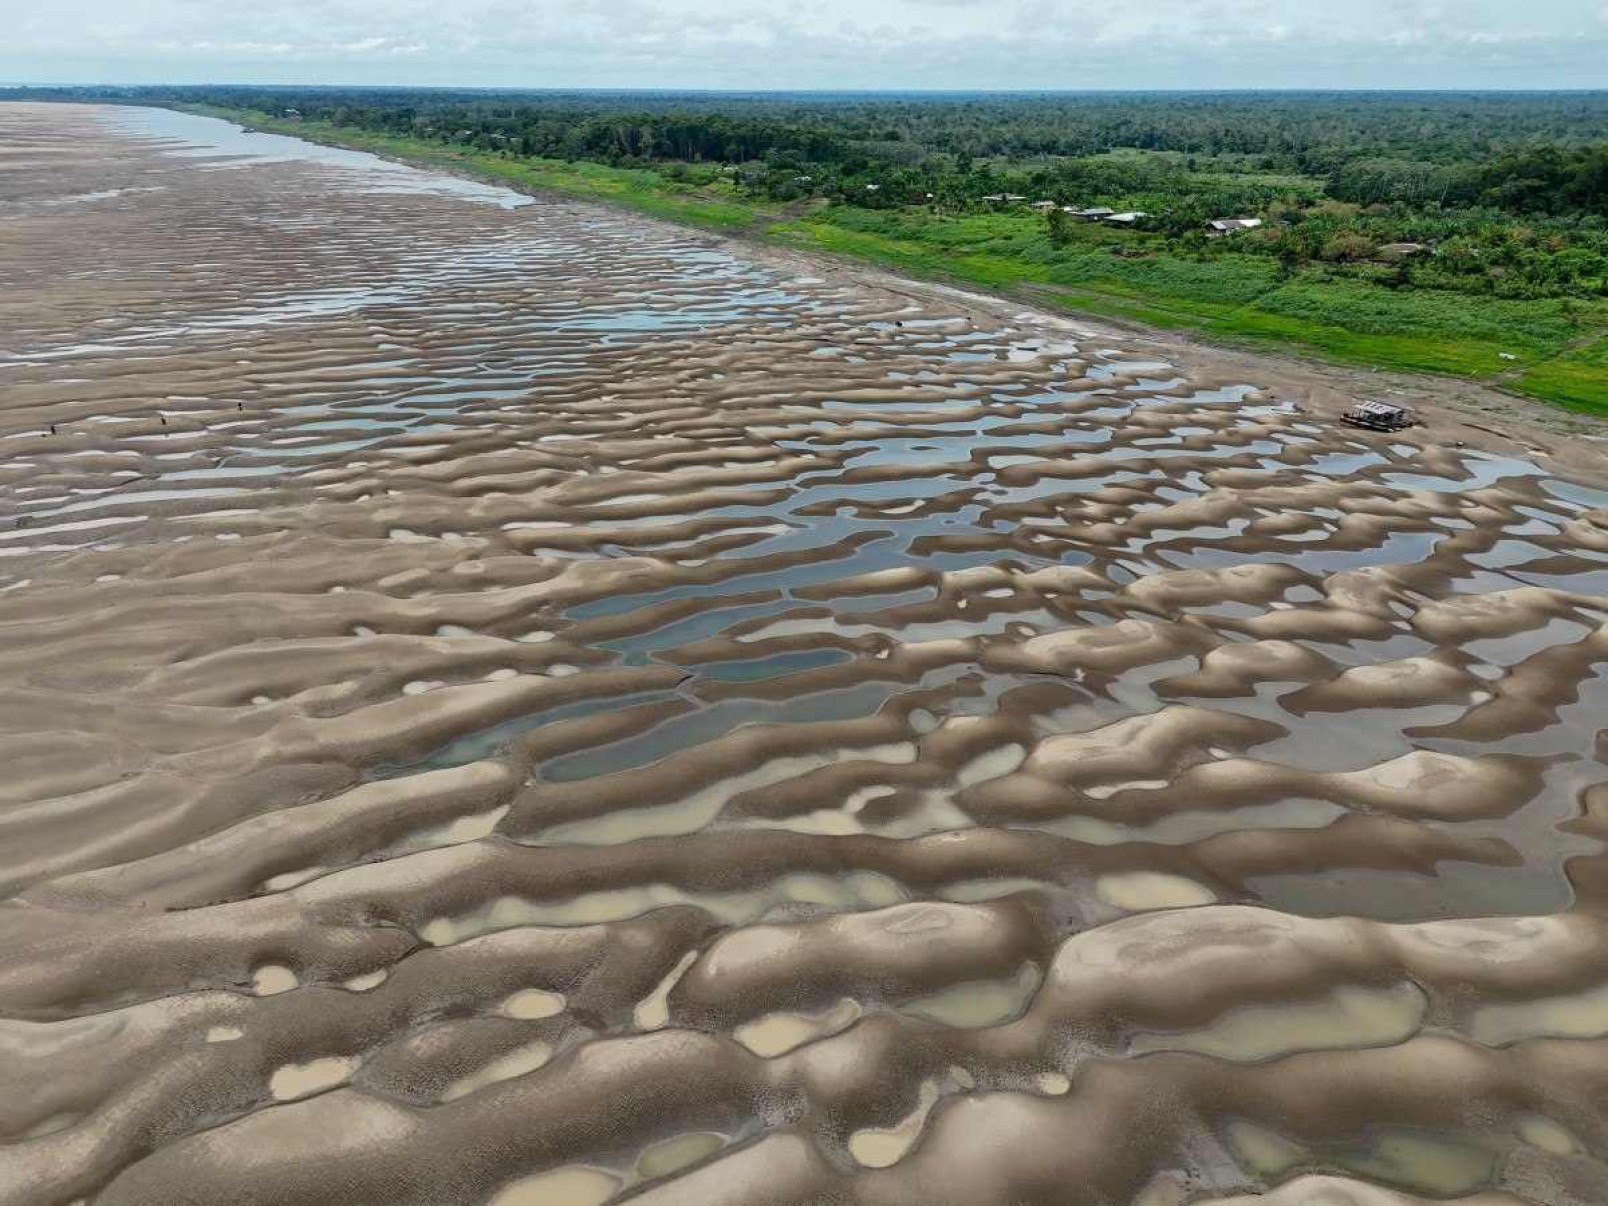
(1477,415)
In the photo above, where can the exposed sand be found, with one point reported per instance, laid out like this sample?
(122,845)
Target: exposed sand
(517,703)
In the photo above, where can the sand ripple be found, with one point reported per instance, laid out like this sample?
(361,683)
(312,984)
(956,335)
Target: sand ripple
(523,704)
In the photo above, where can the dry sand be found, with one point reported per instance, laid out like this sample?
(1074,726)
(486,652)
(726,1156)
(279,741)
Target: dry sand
(518,703)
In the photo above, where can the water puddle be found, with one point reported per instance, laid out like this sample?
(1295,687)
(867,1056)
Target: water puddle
(574,1186)
(778,1033)
(858,891)
(1349,1017)
(1422,1162)
(302,1080)
(883,1147)
(519,1062)
(980,1004)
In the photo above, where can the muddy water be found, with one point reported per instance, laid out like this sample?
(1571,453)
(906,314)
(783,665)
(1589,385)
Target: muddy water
(510,702)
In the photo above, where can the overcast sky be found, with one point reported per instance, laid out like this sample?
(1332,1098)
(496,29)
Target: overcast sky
(1041,44)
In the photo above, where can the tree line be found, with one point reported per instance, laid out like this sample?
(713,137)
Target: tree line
(1522,152)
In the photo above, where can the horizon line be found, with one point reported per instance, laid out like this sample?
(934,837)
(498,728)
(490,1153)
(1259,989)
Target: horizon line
(824,91)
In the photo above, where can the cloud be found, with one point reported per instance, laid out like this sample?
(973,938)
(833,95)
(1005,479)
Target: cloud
(832,43)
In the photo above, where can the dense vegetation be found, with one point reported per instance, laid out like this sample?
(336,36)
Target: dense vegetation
(1461,233)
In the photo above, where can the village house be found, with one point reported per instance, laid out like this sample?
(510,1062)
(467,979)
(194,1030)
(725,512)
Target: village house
(1043,206)
(1218,227)
(1097,213)
(1004,198)
(1393,252)
(1127,219)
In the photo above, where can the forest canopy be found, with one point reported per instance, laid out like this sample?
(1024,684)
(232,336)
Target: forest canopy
(1510,149)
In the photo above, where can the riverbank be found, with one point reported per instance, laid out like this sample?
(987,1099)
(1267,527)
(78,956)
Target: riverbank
(1472,351)
(526,703)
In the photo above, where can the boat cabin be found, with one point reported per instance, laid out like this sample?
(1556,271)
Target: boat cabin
(1380,416)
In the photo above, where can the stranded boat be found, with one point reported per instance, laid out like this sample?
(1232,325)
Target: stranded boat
(1380,416)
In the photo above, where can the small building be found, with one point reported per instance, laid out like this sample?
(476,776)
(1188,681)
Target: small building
(1127,219)
(1004,198)
(1043,206)
(292,114)
(1095,213)
(1393,252)
(1218,227)
(1380,416)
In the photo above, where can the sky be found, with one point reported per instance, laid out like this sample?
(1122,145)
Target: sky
(811,44)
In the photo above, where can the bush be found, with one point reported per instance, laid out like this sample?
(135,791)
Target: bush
(1347,247)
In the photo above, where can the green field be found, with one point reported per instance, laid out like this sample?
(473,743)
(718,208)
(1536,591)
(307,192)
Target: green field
(1559,348)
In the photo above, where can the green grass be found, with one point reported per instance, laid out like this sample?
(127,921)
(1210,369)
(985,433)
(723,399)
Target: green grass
(1241,300)
(1237,299)
(1576,379)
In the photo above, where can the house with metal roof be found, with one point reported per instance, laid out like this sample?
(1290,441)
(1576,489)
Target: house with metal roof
(1218,227)
(1392,252)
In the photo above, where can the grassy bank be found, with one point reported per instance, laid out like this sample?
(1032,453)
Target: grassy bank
(1559,350)
(1552,349)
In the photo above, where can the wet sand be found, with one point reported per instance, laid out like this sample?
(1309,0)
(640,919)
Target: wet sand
(509,702)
